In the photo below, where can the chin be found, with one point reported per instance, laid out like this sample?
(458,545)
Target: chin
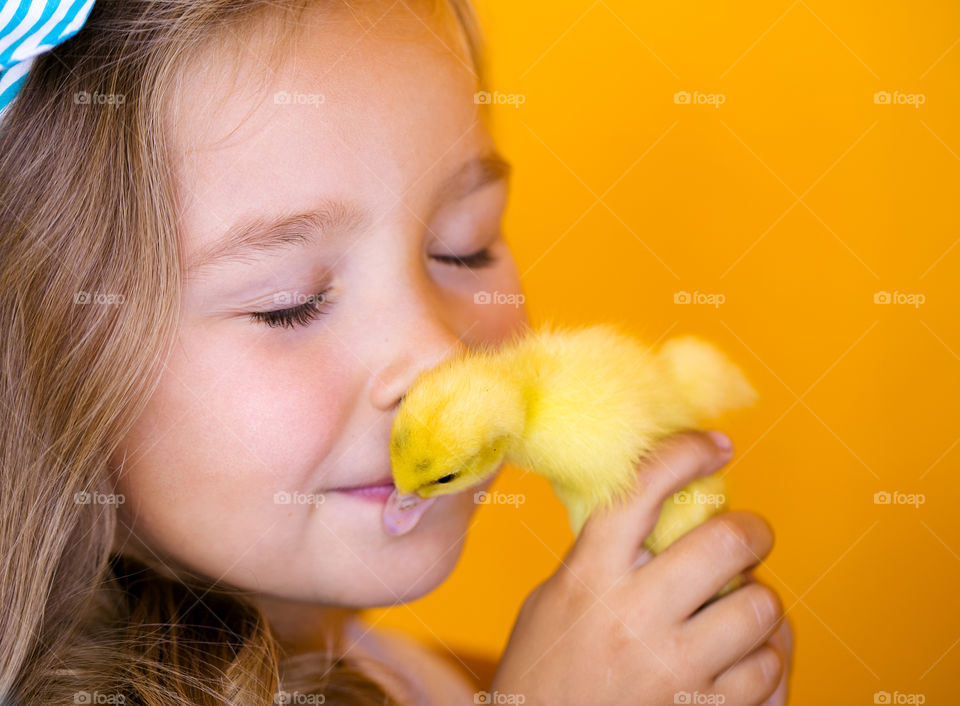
(412,576)
(419,584)
(422,560)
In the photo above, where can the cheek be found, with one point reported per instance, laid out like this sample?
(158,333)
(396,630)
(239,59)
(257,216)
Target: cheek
(225,431)
(499,307)
(296,409)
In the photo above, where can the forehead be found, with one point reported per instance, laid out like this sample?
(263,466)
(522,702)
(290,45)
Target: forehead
(354,104)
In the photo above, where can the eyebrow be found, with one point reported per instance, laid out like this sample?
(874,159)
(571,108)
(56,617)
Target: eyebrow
(243,241)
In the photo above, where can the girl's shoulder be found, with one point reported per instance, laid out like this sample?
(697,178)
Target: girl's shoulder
(434,680)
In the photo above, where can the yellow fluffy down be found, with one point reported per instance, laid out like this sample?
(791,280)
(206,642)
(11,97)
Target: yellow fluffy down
(580,406)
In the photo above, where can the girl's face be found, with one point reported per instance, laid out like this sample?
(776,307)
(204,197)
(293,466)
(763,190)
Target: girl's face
(359,177)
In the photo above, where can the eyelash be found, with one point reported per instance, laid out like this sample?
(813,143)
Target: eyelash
(295,316)
(477,260)
(307,312)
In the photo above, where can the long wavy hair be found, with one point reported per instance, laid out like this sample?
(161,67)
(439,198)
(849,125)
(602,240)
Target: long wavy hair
(87,207)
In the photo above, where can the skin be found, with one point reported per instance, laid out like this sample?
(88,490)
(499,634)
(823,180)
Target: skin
(629,625)
(244,410)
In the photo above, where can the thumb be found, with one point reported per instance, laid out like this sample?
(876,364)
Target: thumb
(612,537)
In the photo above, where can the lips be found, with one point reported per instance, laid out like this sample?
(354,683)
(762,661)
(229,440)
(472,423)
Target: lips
(400,513)
(376,491)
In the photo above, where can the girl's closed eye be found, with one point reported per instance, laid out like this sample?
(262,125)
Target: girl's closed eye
(292,317)
(317,305)
(476,260)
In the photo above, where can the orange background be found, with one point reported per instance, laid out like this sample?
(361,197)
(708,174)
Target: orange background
(798,199)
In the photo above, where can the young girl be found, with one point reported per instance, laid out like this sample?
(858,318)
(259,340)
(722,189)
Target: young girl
(232,232)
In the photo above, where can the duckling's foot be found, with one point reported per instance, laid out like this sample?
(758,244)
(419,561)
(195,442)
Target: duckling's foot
(401,513)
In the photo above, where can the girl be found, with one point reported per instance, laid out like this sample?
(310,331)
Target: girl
(233,232)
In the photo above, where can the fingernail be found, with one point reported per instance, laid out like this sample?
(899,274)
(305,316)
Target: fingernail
(642,558)
(720,439)
(766,666)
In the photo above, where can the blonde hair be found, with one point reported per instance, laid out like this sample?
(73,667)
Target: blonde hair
(87,209)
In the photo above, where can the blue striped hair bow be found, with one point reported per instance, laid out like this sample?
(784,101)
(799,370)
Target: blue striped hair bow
(29,28)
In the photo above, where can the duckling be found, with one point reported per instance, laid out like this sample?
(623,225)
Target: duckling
(581,407)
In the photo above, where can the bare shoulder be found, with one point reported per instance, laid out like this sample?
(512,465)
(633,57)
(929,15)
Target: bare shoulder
(434,679)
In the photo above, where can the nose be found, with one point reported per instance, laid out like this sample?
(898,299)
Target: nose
(419,350)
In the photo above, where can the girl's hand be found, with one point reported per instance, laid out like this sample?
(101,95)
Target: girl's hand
(615,626)
(782,642)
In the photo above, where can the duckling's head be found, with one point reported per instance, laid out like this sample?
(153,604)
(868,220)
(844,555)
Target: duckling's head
(456,424)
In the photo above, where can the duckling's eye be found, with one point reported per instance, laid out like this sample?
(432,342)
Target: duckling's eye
(446,479)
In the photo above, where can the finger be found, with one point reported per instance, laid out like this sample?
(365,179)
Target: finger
(701,562)
(612,537)
(752,680)
(782,641)
(733,626)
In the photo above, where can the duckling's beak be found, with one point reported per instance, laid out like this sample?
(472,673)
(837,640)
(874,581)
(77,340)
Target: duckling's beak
(405,502)
(402,512)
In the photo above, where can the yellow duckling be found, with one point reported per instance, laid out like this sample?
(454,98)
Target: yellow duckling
(581,407)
